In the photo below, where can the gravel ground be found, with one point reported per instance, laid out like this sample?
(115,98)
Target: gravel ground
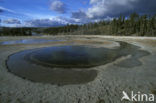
(107,87)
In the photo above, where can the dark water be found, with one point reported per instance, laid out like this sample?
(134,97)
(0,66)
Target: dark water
(27,41)
(69,64)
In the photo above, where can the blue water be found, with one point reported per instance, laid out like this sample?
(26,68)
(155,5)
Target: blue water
(71,56)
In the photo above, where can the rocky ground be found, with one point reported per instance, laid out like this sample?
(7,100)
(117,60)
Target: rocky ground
(107,87)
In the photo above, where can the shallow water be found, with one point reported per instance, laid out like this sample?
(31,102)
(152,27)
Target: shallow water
(27,41)
(70,64)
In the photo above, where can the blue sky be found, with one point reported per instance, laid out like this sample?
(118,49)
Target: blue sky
(44,13)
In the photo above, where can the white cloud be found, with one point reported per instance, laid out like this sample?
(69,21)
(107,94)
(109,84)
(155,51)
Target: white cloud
(101,9)
(50,22)
(58,6)
(12,21)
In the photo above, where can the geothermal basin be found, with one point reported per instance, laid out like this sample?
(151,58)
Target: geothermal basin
(77,69)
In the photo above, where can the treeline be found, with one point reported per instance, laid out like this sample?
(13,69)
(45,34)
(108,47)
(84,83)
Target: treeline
(5,31)
(134,25)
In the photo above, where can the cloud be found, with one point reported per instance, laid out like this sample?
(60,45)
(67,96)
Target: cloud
(101,9)
(2,9)
(51,22)
(12,21)
(46,22)
(79,14)
(113,8)
(43,23)
(58,6)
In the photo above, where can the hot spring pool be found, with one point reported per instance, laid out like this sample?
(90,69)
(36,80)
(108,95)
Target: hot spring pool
(69,64)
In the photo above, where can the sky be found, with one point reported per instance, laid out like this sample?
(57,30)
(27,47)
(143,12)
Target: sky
(49,13)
